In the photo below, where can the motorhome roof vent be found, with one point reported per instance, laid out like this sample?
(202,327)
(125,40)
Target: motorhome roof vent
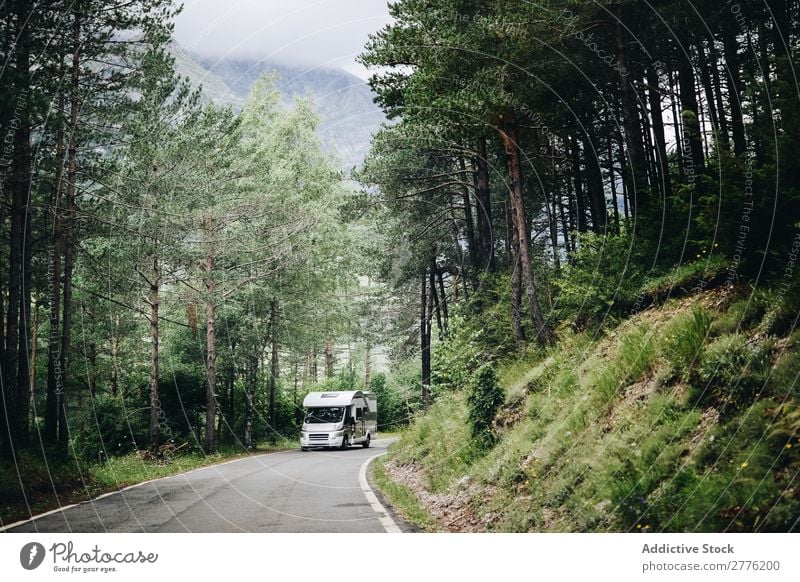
(329,395)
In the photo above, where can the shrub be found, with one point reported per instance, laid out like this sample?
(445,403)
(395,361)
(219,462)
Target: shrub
(456,359)
(483,402)
(391,408)
(683,340)
(108,428)
(601,278)
(732,371)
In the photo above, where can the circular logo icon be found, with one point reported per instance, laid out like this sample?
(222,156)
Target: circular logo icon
(31,555)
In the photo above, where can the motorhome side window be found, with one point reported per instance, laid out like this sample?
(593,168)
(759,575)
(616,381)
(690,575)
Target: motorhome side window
(323,415)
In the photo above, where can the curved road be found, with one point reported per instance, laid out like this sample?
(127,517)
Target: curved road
(290,491)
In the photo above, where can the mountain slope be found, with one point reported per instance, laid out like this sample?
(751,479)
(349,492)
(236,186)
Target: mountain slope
(343,101)
(686,417)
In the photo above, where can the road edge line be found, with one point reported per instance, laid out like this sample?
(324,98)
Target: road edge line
(383,515)
(5,528)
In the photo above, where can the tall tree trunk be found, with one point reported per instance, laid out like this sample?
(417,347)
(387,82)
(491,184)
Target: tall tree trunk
(659,138)
(69,231)
(690,113)
(155,404)
(274,364)
(54,378)
(313,370)
(580,205)
(442,300)
(510,139)
(636,176)
(597,197)
(251,378)
(425,340)
(484,206)
(329,359)
(613,183)
(115,355)
(516,281)
(435,298)
(731,49)
(715,78)
(367,367)
(91,356)
(210,443)
(34,352)
(469,223)
(708,89)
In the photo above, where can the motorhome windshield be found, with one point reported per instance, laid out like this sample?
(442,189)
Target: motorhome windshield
(324,415)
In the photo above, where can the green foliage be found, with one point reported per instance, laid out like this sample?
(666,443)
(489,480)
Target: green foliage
(483,401)
(733,371)
(743,315)
(649,458)
(392,413)
(108,426)
(601,280)
(455,360)
(682,340)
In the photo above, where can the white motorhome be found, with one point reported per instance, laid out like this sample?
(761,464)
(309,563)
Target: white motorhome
(339,419)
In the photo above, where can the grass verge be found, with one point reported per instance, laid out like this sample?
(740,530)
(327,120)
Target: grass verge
(403,500)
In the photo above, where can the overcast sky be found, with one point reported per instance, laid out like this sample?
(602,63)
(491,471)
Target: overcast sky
(329,33)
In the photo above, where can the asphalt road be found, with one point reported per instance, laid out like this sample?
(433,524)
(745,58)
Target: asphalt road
(291,491)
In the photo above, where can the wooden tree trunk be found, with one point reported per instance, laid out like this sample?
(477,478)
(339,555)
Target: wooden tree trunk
(690,114)
(580,204)
(367,367)
(660,142)
(425,340)
(594,181)
(442,300)
(274,367)
(612,179)
(34,352)
(435,298)
(210,443)
(251,378)
(155,404)
(731,49)
(484,207)
(115,356)
(329,359)
(637,175)
(469,223)
(508,134)
(70,227)
(715,78)
(516,281)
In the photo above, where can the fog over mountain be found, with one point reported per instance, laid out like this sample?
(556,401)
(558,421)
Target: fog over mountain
(343,101)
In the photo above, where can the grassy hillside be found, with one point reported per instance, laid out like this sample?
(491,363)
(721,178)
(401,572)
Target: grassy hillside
(684,417)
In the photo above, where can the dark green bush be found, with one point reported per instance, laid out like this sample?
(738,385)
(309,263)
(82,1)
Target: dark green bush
(601,280)
(483,401)
(108,427)
(732,372)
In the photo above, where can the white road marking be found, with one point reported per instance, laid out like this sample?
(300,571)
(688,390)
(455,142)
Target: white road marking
(118,491)
(383,516)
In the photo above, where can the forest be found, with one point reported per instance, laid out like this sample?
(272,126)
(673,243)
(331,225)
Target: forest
(611,190)
(572,206)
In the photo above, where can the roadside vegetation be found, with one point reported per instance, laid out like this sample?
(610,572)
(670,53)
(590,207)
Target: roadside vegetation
(683,417)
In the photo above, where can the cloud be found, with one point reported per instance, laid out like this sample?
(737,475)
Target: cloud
(329,33)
